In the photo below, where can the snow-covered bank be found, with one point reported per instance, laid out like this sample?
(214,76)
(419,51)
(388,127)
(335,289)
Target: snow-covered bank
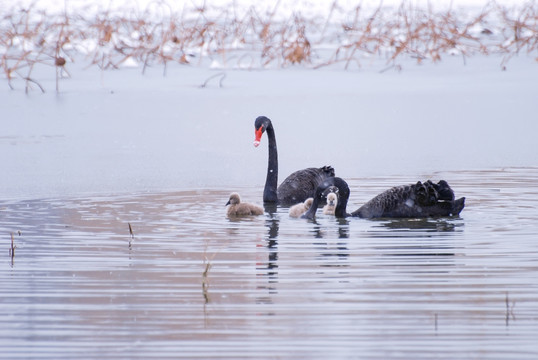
(316,7)
(250,38)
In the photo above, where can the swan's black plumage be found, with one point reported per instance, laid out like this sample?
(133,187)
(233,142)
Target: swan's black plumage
(297,187)
(406,201)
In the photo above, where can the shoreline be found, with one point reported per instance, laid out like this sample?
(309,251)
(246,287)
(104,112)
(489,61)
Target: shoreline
(254,41)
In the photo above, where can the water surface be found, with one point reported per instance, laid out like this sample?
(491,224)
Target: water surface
(191,283)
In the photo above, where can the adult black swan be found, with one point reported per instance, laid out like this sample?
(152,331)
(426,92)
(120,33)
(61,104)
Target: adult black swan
(297,187)
(407,201)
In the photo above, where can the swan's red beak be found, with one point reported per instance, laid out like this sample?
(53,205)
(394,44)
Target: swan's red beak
(258,133)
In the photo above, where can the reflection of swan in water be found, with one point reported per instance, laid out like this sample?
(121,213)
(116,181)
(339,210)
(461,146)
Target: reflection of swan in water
(333,251)
(237,208)
(418,200)
(332,201)
(269,270)
(393,226)
(297,187)
(299,209)
(333,255)
(320,232)
(416,242)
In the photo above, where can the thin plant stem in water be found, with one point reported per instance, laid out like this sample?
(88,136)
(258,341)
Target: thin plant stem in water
(131,231)
(205,281)
(205,274)
(131,236)
(509,310)
(12,249)
(222,77)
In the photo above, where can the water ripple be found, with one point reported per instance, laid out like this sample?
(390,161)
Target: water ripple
(190,283)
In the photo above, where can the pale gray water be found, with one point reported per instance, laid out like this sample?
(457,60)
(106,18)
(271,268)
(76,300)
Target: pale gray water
(80,287)
(160,153)
(119,131)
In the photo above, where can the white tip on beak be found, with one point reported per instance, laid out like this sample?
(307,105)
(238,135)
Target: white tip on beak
(256,143)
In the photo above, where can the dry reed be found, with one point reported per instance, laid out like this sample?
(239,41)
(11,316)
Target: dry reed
(231,37)
(131,233)
(12,248)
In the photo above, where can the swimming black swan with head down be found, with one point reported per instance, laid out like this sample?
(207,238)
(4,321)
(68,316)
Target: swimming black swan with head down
(418,200)
(297,187)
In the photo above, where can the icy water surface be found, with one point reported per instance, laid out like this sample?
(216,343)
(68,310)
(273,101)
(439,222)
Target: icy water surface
(194,284)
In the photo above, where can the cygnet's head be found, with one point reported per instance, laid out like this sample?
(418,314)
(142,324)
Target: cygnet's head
(332,199)
(234,199)
(308,203)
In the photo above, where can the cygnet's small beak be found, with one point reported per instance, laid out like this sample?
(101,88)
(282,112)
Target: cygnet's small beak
(228,203)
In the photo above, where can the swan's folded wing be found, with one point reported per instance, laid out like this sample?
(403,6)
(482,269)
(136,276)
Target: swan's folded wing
(409,201)
(302,184)
(394,202)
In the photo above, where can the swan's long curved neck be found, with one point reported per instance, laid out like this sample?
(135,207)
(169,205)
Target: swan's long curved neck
(271,182)
(343,196)
(340,210)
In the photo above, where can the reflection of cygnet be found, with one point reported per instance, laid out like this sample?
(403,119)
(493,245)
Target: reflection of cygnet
(237,208)
(332,200)
(299,209)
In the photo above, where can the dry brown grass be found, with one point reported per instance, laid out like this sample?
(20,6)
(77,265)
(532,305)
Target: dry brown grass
(31,38)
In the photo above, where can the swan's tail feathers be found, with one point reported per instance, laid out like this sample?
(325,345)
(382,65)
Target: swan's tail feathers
(444,190)
(329,170)
(458,206)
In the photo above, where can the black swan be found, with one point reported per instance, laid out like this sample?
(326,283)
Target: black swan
(297,187)
(332,201)
(237,208)
(299,209)
(407,201)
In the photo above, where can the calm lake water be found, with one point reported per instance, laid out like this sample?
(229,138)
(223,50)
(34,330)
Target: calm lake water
(193,284)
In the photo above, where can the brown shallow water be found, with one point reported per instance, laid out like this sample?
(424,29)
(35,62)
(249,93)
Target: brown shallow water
(80,287)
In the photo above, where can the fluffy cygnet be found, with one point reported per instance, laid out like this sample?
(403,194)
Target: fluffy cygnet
(299,209)
(237,208)
(332,201)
